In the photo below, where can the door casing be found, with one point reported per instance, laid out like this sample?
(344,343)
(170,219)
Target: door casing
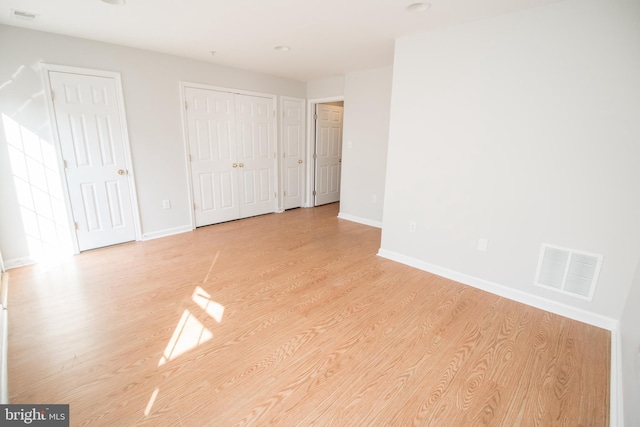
(185,137)
(46,68)
(328,164)
(311,140)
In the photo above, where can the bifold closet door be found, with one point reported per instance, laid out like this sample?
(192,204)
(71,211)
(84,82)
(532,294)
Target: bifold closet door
(232,152)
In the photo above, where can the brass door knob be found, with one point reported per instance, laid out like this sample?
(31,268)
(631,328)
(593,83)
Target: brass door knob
(121,171)
(241,165)
(235,165)
(299,161)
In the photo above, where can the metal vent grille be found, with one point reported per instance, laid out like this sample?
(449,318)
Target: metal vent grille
(22,15)
(568,271)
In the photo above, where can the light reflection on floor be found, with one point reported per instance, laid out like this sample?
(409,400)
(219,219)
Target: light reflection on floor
(190,332)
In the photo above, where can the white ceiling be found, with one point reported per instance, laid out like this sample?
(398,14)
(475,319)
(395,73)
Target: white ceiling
(327,37)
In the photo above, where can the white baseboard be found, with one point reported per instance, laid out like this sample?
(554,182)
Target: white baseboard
(18,262)
(167,232)
(507,292)
(616,413)
(360,220)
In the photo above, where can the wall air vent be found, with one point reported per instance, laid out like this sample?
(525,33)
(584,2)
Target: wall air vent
(24,16)
(568,271)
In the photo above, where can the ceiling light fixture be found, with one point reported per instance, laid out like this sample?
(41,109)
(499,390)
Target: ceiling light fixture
(115,2)
(418,7)
(282,48)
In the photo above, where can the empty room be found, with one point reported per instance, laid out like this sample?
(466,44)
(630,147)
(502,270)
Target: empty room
(331,213)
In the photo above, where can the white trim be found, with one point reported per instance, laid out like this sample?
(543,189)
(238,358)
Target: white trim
(46,69)
(4,352)
(311,130)
(4,336)
(360,220)
(616,400)
(4,289)
(166,232)
(506,292)
(225,89)
(18,262)
(185,136)
(325,100)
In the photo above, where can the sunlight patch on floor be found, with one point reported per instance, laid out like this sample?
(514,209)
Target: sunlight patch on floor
(189,334)
(152,400)
(204,301)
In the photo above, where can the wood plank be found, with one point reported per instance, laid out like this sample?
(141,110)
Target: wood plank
(291,319)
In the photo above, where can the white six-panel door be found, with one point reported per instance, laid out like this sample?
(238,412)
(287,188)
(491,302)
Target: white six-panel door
(212,148)
(328,153)
(232,149)
(293,151)
(256,152)
(90,131)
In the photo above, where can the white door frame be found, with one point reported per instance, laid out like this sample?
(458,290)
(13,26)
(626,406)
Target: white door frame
(311,140)
(46,68)
(185,137)
(281,148)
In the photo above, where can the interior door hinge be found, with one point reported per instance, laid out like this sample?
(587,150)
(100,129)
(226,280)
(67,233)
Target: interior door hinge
(64,164)
(53,95)
(194,207)
(275,194)
(315,116)
(75,225)
(284,193)
(186,105)
(314,192)
(315,156)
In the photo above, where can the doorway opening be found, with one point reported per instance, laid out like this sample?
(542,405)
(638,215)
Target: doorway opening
(325,150)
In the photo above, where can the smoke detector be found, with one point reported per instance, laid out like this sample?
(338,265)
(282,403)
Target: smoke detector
(418,7)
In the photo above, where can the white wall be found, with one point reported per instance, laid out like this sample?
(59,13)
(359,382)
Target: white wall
(630,343)
(367,97)
(152,101)
(330,87)
(520,129)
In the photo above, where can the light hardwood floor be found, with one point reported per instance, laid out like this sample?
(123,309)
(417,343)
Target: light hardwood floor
(291,319)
